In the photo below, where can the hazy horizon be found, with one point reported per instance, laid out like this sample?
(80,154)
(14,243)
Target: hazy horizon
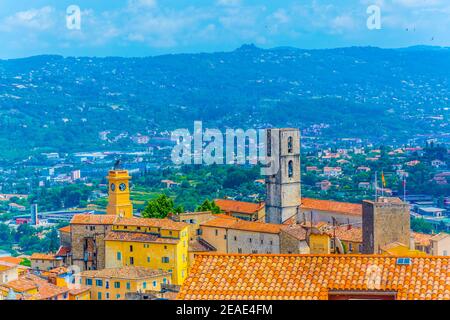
(141,28)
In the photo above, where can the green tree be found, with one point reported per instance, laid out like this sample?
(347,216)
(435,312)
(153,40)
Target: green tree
(208,206)
(161,207)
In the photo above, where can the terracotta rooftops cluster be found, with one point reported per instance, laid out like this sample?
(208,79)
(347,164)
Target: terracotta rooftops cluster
(315,277)
(124,273)
(334,206)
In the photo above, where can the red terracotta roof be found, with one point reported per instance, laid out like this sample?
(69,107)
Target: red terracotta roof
(90,219)
(334,206)
(238,206)
(138,237)
(301,277)
(239,224)
(166,224)
(63,251)
(65,229)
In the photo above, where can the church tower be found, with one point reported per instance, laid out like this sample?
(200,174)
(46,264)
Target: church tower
(119,202)
(283,184)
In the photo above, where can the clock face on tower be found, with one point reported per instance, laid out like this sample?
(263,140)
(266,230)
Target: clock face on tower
(113,186)
(122,187)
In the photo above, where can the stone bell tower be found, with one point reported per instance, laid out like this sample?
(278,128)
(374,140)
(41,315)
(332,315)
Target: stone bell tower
(283,184)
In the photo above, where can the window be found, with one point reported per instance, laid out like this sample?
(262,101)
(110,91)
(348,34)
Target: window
(117,285)
(289,145)
(107,295)
(144,285)
(99,296)
(235,238)
(128,286)
(239,250)
(165,259)
(107,284)
(99,283)
(131,261)
(254,251)
(250,240)
(225,237)
(148,259)
(290,169)
(444,253)
(119,255)
(350,247)
(165,247)
(89,282)
(199,232)
(131,248)
(154,283)
(217,232)
(269,143)
(164,280)
(117,296)
(262,241)
(271,242)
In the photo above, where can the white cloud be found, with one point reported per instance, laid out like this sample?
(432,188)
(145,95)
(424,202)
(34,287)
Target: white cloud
(36,19)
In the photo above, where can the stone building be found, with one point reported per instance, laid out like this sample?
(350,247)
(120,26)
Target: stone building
(294,239)
(385,221)
(231,235)
(283,184)
(88,234)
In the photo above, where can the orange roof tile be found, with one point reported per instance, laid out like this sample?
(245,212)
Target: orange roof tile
(166,224)
(43,256)
(12,260)
(99,219)
(266,277)
(344,233)
(334,206)
(124,273)
(295,230)
(138,237)
(65,229)
(238,206)
(422,239)
(239,224)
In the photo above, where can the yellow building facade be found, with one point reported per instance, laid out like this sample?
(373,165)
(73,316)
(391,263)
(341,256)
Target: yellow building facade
(115,283)
(159,244)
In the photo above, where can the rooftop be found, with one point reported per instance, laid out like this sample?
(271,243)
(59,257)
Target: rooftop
(227,205)
(166,224)
(90,219)
(132,273)
(334,206)
(43,256)
(138,237)
(239,224)
(312,277)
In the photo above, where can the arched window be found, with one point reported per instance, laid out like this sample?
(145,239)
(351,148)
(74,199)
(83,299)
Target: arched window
(290,145)
(269,143)
(290,169)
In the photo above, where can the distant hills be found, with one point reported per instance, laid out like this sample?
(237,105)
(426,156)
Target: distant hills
(62,103)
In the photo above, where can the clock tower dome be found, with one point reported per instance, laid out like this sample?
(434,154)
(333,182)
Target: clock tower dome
(119,202)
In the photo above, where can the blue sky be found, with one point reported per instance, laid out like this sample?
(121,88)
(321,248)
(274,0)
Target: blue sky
(151,27)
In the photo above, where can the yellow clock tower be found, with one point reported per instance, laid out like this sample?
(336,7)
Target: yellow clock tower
(119,202)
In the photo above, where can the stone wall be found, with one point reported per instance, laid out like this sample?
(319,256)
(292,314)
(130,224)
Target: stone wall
(93,236)
(385,223)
